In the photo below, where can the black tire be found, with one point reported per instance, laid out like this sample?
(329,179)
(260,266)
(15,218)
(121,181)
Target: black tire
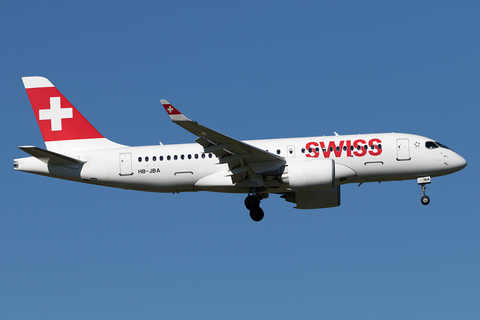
(252,202)
(425,200)
(257,214)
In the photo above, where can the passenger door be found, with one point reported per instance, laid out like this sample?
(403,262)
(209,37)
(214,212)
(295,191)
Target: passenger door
(126,164)
(403,150)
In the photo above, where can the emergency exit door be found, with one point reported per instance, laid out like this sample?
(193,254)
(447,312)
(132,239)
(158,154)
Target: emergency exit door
(290,151)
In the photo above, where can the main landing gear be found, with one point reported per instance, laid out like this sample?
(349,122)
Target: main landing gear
(252,202)
(422,182)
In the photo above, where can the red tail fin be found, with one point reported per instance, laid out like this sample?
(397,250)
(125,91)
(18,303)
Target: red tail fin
(60,122)
(57,117)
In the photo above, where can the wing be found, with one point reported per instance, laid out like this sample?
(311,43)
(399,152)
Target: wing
(241,157)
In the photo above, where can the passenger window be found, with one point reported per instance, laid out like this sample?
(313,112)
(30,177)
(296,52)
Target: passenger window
(175,157)
(182,157)
(154,158)
(196,156)
(189,156)
(278,151)
(139,159)
(210,155)
(203,155)
(168,158)
(303,150)
(161,158)
(146,159)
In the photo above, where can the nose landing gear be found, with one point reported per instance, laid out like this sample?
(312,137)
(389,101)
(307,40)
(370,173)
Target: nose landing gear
(424,199)
(422,182)
(252,202)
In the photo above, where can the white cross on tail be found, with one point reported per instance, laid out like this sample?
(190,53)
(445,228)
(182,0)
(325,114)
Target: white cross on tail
(55,114)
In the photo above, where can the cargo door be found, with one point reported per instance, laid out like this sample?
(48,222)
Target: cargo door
(184,180)
(374,171)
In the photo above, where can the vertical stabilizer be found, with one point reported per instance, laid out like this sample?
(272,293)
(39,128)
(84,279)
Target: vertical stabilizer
(63,127)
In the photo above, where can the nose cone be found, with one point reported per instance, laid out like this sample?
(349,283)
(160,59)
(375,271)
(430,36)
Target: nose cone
(458,162)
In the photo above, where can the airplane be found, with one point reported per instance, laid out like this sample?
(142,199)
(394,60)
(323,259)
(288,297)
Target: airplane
(306,171)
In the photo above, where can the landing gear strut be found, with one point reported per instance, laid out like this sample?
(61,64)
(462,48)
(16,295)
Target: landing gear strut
(252,202)
(422,182)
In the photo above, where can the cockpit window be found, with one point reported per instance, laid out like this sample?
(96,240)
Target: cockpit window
(442,145)
(431,145)
(434,145)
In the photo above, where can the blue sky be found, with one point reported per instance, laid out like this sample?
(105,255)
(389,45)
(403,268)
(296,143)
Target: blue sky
(250,69)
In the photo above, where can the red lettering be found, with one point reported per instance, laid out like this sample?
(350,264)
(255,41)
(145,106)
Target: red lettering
(377,147)
(326,152)
(358,144)
(312,149)
(338,150)
(359,148)
(349,150)
(332,147)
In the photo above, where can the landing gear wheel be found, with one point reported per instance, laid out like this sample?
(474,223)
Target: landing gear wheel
(422,182)
(425,200)
(257,214)
(252,202)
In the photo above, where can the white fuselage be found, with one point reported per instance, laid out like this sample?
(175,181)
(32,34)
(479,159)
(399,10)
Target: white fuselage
(185,167)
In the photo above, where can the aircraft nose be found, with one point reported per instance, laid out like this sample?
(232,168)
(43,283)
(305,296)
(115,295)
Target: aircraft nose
(459,162)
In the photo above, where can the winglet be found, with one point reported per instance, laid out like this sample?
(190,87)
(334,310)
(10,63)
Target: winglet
(174,114)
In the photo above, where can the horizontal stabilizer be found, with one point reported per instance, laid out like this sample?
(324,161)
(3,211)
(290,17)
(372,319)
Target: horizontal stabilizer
(49,157)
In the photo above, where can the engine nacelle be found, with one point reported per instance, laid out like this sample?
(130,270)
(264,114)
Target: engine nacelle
(309,174)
